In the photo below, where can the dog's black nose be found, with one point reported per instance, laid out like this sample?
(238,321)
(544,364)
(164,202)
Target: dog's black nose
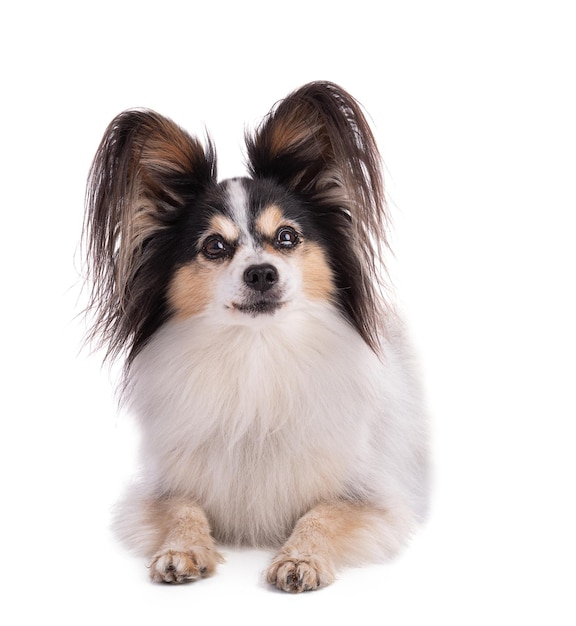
(261,277)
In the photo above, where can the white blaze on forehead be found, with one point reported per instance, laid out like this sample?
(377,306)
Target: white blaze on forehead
(238,205)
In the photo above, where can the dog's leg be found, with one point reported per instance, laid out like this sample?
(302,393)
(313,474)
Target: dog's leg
(335,534)
(188,551)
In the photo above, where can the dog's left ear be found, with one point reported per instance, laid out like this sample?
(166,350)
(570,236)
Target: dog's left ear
(318,142)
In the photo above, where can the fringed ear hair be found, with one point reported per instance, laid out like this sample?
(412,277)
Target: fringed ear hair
(144,172)
(318,143)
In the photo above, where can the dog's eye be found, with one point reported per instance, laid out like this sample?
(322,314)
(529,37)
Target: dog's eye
(216,248)
(286,237)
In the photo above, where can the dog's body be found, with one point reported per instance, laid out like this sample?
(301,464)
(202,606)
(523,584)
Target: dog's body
(273,387)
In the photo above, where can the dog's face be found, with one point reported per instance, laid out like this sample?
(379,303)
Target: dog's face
(253,252)
(165,238)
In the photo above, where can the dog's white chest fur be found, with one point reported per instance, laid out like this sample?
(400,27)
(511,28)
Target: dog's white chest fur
(259,424)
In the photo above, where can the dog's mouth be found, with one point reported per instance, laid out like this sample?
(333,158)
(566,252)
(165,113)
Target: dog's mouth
(258,307)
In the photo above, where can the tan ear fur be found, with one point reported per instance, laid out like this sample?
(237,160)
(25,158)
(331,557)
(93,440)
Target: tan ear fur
(144,171)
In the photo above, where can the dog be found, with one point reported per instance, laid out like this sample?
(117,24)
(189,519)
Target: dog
(267,368)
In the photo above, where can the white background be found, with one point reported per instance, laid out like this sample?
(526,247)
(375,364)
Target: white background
(473,105)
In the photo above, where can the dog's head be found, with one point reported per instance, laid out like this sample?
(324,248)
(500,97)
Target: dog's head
(165,238)
(254,251)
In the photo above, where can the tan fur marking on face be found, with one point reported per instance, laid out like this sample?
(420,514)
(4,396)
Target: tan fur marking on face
(269,221)
(225,227)
(317,279)
(191,289)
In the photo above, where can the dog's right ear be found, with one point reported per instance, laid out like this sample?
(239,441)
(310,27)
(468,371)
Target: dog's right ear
(145,171)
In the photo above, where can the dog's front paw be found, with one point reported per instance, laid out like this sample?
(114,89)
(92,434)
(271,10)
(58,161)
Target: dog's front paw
(173,566)
(296,573)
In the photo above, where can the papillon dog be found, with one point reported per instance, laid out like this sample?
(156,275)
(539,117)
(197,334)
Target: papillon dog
(267,369)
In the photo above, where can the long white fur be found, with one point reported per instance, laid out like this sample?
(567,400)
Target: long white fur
(257,423)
